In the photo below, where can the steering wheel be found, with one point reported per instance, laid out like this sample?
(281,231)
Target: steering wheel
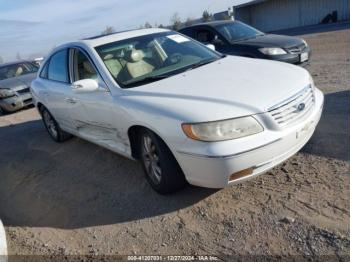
(174,59)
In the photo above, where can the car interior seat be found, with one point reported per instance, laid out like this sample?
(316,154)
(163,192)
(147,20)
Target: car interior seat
(112,64)
(88,71)
(19,71)
(136,65)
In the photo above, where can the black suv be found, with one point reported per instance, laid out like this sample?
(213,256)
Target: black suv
(237,38)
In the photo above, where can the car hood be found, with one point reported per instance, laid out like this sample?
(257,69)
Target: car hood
(270,40)
(230,87)
(18,82)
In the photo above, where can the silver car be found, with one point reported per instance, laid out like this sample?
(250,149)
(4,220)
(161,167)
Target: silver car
(15,80)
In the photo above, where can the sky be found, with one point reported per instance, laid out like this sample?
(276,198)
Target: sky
(33,27)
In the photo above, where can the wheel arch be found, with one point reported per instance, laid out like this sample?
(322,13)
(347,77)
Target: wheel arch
(134,136)
(40,106)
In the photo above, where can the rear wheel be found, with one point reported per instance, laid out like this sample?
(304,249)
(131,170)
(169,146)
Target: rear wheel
(52,127)
(161,168)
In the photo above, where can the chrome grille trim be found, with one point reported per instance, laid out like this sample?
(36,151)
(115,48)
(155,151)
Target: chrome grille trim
(287,111)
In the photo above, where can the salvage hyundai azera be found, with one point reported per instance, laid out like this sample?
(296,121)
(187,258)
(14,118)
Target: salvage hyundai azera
(187,112)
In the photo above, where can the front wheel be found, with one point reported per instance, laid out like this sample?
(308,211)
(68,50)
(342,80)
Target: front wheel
(53,128)
(161,168)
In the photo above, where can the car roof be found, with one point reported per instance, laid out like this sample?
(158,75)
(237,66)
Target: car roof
(211,23)
(118,36)
(15,62)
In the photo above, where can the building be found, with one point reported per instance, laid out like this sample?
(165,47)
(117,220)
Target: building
(271,15)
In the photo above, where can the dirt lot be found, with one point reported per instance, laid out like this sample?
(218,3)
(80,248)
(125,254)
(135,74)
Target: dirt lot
(77,198)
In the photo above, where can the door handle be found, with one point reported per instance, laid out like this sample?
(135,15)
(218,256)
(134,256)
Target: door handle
(71,100)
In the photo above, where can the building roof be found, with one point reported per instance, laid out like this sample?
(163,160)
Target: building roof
(253,2)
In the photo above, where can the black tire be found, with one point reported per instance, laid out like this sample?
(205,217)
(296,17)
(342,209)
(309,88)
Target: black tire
(4,111)
(52,127)
(170,178)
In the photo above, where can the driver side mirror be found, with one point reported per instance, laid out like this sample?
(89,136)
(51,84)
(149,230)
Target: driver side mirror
(85,85)
(211,46)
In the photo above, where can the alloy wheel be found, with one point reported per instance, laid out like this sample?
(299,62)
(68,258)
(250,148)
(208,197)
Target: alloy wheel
(150,158)
(50,124)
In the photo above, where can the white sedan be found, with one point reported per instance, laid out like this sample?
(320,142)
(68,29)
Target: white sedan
(185,111)
(3,244)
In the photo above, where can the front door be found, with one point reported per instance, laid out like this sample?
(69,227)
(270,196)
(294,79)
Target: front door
(96,115)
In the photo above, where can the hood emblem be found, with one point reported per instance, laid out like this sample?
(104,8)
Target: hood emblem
(300,107)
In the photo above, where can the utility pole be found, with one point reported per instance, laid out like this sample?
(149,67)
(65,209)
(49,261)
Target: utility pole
(231,13)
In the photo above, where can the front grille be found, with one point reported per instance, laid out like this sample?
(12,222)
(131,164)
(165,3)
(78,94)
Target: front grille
(22,91)
(297,49)
(27,101)
(294,108)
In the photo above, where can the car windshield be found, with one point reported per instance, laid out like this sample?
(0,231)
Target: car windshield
(148,58)
(237,31)
(16,70)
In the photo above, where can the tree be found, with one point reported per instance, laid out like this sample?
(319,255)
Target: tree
(175,22)
(148,25)
(206,17)
(18,56)
(161,26)
(108,30)
(189,21)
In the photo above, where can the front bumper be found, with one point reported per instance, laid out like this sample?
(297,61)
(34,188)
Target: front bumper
(16,102)
(265,151)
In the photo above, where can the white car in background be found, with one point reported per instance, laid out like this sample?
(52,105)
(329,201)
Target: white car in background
(3,244)
(185,111)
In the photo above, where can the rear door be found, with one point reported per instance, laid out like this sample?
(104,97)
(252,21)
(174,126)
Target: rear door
(56,87)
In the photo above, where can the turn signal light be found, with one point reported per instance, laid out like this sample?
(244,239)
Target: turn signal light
(240,174)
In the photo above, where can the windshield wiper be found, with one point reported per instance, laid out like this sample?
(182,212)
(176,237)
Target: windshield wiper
(147,79)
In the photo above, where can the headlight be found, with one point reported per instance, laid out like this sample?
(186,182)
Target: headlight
(223,130)
(304,42)
(6,93)
(272,51)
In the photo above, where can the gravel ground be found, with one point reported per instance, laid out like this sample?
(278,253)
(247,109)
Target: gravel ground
(80,199)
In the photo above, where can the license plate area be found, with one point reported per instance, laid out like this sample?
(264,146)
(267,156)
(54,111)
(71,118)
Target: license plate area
(304,57)
(304,130)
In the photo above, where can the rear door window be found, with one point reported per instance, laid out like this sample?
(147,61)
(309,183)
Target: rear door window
(58,67)
(44,71)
